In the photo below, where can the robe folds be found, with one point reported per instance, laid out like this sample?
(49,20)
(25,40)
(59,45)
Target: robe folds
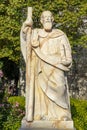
(51,57)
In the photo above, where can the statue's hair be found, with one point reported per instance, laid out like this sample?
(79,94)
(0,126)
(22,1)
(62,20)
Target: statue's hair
(42,16)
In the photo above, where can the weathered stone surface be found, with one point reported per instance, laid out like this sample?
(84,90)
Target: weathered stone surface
(48,125)
(43,129)
(48,56)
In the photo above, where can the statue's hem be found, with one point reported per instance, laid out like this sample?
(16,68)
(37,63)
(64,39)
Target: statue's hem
(47,125)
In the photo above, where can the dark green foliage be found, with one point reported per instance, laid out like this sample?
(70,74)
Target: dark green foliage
(16,113)
(79,113)
(10,22)
(4,112)
(11,113)
(20,100)
(10,69)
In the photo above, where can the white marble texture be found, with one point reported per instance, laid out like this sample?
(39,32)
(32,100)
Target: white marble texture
(47,54)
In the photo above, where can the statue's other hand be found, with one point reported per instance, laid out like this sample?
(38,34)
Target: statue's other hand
(67,62)
(35,44)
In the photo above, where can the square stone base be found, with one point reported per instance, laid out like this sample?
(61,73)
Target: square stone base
(43,129)
(47,125)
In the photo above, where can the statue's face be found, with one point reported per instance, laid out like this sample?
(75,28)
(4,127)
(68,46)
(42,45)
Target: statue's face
(47,20)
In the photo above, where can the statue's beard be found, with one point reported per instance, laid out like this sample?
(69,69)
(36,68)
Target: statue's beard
(47,26)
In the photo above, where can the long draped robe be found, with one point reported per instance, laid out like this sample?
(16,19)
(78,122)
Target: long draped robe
(52,58)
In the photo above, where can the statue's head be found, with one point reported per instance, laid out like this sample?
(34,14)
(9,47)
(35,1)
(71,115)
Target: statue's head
(47,20)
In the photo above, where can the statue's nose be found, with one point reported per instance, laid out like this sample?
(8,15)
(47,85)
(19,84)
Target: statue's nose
(48,19)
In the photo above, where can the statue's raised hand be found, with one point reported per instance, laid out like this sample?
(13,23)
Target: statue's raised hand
(27,24)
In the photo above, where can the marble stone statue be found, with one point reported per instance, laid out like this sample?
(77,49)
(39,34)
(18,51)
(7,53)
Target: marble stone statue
(47,54)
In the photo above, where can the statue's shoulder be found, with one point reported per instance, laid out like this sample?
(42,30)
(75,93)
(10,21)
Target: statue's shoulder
(58,31)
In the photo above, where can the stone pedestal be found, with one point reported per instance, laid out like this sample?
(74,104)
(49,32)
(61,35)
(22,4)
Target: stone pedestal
(43,129)
(47,125)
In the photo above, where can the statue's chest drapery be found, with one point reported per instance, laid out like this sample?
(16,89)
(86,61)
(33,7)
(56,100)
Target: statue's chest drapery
(51,49)
(50,46)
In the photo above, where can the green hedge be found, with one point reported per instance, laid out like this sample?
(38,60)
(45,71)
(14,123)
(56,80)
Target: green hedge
(79,113)
(12,112)
(17,99)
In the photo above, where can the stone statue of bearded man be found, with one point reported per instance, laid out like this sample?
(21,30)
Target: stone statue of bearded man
(50,59)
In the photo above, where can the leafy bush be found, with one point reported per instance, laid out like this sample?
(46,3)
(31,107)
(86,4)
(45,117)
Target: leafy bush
(15,99)
(79,113)
(4,112)
(11,113)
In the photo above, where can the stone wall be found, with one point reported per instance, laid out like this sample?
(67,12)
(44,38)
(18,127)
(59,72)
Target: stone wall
(77,77)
